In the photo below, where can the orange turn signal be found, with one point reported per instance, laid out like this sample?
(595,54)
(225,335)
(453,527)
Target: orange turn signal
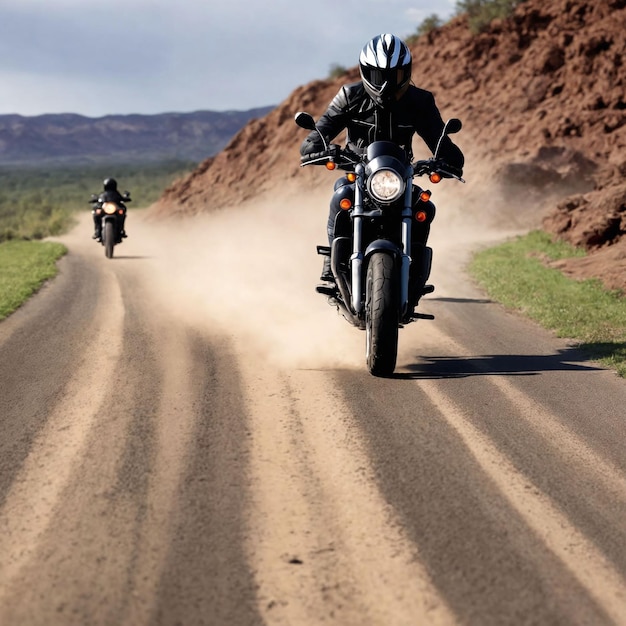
(421,216)
(351,176)
(435,178)
(330,165)
(345,203)
(425,196)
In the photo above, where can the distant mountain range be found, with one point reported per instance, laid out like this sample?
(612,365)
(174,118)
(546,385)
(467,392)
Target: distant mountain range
(75,139)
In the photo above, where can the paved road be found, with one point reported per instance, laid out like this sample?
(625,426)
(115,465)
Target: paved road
(189,436)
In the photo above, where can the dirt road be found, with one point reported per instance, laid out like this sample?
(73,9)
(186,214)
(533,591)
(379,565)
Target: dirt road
(190,436)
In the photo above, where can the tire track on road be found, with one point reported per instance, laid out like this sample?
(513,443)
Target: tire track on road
(547,515)
(581,557)
(324,544)
(60,445)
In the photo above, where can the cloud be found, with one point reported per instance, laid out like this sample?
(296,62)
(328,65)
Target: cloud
(56,55)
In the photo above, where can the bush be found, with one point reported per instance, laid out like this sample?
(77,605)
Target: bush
(429,24)
(480,13)
(336,71)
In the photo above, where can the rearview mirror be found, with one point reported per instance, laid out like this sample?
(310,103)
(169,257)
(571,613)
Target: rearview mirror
(453,125)
(304,120)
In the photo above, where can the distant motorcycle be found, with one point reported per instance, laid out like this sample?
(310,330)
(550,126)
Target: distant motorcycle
(111,213)
(379,272)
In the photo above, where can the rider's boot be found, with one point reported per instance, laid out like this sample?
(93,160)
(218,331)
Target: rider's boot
(327,273)
(97,235)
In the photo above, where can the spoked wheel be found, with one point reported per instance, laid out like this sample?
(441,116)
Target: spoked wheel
(381,315)
(109,239)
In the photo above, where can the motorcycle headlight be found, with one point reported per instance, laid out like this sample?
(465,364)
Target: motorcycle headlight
(109,208)
(385,185)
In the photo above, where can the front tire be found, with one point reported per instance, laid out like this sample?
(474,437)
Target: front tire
(109,239)
(381,315)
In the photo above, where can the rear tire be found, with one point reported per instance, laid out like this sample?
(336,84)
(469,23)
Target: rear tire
(381,315)
(109,239)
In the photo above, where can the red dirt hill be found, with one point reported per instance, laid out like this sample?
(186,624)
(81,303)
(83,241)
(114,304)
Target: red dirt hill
(543,100)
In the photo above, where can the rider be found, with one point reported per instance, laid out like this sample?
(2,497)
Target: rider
(109,194)
(384,105)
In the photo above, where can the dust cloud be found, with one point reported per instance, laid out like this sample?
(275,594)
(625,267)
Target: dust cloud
(250,272)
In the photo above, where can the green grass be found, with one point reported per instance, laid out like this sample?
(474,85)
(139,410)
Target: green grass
(515,274)
(24,266)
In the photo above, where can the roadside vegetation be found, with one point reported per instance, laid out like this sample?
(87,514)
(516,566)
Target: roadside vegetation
(480,13)
(517,275)
(428,24)
(42,202)
(336,71)
(24,267)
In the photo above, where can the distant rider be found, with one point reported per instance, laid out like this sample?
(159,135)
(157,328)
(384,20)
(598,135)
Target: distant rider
(109,194)
(384,105)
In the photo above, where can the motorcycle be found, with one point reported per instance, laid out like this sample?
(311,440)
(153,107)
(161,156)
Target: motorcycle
(111,214)
(380,273)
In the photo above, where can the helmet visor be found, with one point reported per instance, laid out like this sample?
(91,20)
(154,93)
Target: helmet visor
(386,82)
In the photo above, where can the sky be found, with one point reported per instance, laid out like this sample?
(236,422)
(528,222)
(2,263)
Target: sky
(101,57)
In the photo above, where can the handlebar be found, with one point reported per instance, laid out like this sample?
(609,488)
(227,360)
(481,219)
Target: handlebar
(346,160)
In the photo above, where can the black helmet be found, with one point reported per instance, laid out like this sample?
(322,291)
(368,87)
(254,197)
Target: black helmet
(110,184)
(385,65)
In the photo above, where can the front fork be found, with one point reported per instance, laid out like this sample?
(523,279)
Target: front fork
(358,257)
(405,266)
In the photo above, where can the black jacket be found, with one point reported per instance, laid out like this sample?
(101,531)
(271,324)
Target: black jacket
(112,195)
(352,109)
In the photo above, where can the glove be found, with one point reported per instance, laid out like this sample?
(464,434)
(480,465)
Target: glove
(333,151)
(313,156)
(448,171)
